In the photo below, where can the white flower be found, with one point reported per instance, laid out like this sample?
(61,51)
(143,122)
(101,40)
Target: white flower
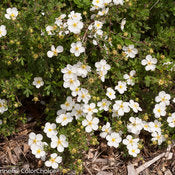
(75,16)
(78,111)
(104,105)
(34,139)
(98,25)
(149,62)
(69,72)
(171,120)
(98,3)
(163,98)
(123,24)
(110,93)
(75,91)
(82,69)
(49,30)
(121,107)
(129,78)
(83,95)
(121,87)
(38,150)
(3,30)
(90,108)
(54,51)
(90,123)
(3,106)
(133,151)
(64,119)
(113,139)
(11,13)
(102,69)
(115,113)
(104,11)
(50,129)
(117,2)
(130,51)
(61,111)
(155,126)
(38,82)
(173,100)
(157,136)
(74,26)
(77,49)
(159,110)
(130,141)
(146,126)
(135,106)
(68,105)
(71,83)
(135,126)
(106,130)
(59,143)
(53,161)
(102,66)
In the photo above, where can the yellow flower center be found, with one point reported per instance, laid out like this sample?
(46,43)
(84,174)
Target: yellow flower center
(71,81)
(67,104)
(149,63)
(120,86)
(131,141)
(103,104)
(159,110)
(83,66)
(55,53)
(129,50)
(113,139)
(90,123)
(49,129)
(34,141)
(38,151)
(64,118)
(79,112)
(158,137)
(12,15)
(38,82)
(83,96)
(75,24)
(106,130)
(69,72)
(77,48)
(59,142)
(133,150)
(52,160)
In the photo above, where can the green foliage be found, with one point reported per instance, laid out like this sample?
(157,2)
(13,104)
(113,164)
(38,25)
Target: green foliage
(149,26)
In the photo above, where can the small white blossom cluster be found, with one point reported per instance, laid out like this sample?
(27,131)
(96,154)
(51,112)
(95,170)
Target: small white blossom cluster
(102,69)
(71,74)
(101,5)
(11,13)
(149,63)
(65,26)
(3,106)
(163,100)
(130,51)
(38,147)
(132,145)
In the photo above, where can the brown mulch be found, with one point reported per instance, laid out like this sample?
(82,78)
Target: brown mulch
(100,160)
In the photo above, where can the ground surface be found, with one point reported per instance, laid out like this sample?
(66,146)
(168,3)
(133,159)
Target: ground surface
(100,160)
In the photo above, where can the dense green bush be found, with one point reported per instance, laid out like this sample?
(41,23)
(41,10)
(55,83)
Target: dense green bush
(24,56)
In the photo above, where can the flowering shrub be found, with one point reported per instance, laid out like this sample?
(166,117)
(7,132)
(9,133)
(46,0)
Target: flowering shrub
(106,66)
